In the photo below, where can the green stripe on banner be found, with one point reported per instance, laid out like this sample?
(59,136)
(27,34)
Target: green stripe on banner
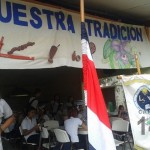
(138,148)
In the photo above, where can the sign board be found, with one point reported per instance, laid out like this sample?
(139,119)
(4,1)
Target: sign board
(35,36)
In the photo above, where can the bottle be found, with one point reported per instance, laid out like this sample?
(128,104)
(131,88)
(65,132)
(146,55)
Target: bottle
(110,106)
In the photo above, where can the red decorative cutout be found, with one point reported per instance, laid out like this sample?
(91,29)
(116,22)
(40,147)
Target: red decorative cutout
(21,47)
(1,43)
(75,57)
(52,53)
(9,55)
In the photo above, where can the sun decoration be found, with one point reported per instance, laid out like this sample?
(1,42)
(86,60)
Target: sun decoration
(144,91)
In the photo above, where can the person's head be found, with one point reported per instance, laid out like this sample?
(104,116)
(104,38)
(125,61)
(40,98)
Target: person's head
(80,107)
(121,108)
(73,113)
(70,99)
(56,98)
(37,92)
(42,109)
(31,112)
(65,117)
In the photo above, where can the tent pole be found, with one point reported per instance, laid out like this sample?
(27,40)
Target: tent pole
(137,64)
(82,10)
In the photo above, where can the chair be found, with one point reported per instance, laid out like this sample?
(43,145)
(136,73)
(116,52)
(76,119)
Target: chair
(62,137)
(120,130)
(24,142)
(118,143)
(114,118)
(51,124)
(45,135)
(9,136)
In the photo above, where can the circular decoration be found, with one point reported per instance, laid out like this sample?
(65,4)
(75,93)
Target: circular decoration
(77,58)
(142,98)
(92,47)
(74,56)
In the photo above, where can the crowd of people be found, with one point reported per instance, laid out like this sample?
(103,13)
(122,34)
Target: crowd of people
(68,114)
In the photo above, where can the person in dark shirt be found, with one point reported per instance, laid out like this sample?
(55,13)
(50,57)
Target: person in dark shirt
(122,113)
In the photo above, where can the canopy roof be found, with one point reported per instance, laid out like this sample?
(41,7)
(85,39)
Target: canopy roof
(135,11)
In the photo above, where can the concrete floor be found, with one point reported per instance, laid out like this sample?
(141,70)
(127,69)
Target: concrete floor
(15,145)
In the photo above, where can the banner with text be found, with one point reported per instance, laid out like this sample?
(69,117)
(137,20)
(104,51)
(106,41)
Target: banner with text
(137,93)
(36,36)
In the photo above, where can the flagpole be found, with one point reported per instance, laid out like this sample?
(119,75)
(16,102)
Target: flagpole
(137,64)
(82,10)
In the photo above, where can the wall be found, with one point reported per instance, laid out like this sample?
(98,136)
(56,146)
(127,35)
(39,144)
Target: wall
(117,94)
(63,81)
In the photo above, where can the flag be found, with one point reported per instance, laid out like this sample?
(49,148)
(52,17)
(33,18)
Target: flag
(99,131)
(137,94)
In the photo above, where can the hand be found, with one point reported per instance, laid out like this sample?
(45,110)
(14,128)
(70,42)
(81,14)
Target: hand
(36,127)
(1,130)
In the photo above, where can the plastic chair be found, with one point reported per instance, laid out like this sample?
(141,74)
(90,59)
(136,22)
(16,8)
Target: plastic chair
(114,118)
(118,143)
(24,142)
(51,124)
(120,130)
(62,137)
(45,135)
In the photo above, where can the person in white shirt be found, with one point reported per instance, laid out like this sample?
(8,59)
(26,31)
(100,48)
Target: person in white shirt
(71,126)
(30,127)
(6,113)
(34,100)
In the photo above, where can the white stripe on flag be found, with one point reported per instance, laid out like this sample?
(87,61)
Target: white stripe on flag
(86,49)
(100,136)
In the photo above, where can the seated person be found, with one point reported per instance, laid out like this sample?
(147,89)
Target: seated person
(30,127)
(80,112)
(60,114)
(71,126)
(42,117)
(122,113)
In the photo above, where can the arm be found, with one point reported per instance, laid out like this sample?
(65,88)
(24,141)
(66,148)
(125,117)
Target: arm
(120,114)
(8,115)
(84,126)
(7,123)
(26,132)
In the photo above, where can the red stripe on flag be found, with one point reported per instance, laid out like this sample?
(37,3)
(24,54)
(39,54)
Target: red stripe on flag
(95,100)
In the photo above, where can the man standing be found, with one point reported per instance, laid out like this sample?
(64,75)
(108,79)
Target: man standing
(6,113)
(34,100)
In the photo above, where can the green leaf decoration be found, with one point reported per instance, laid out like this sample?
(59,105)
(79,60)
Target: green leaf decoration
(111,60)
(107,49)
(148,122)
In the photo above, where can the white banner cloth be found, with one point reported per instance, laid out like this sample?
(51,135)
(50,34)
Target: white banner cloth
(36,36)
(137,93)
